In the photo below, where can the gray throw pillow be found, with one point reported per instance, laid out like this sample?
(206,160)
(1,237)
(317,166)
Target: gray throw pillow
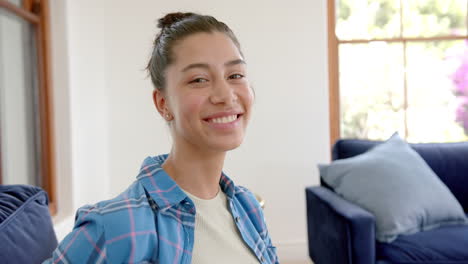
(397,186)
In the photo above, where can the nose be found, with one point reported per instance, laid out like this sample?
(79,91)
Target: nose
(223,93)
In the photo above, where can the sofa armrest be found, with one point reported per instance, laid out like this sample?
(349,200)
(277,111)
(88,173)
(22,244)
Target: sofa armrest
(338,231)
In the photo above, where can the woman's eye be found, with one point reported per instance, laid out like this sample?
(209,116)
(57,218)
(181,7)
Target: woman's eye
(199,80)
(236,76)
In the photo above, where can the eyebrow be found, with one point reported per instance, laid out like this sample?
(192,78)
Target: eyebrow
(206,66)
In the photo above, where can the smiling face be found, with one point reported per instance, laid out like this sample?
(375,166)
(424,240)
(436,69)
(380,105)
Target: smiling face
(207,95)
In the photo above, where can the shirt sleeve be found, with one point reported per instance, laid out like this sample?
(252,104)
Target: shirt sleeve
(86,243)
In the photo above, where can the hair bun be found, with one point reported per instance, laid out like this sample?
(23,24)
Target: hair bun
(172,18)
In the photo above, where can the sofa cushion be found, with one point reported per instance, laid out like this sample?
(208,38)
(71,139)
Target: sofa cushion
(26,231)
(442,245)
(447,160)
(395,184)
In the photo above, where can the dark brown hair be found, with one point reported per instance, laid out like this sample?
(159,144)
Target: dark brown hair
(175,27)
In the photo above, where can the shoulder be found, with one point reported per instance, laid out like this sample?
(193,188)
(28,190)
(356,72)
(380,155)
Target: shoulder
(106,231)
(116,221)
(133,196)
(118,216)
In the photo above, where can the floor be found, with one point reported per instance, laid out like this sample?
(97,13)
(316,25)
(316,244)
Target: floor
(298,262)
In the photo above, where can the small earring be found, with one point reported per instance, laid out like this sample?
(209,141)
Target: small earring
(168,116)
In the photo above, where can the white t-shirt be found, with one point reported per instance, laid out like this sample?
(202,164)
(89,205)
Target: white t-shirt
(217,239)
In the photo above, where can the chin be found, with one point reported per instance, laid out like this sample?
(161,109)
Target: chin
(225,145)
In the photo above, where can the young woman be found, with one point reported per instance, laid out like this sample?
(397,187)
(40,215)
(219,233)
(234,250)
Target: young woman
(182,208)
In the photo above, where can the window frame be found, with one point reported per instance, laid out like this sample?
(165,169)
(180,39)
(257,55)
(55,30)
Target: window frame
(333,64)
(37,12)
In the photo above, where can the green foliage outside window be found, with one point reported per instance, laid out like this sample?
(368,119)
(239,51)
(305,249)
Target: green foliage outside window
(372,75)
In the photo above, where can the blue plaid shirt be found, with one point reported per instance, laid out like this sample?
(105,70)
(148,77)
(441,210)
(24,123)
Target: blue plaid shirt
(153,222)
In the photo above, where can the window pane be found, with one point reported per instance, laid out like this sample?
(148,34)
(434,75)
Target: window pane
(371,90)
(432,103)
(18,82)
(367,19)
(427,18)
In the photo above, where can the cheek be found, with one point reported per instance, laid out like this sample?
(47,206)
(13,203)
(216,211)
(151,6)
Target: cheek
(190,107)
(246,99)
(247,96)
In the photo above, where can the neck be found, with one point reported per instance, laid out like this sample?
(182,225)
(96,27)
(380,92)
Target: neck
(195,172)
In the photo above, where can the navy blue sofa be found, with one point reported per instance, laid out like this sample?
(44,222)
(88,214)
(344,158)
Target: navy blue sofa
(26,230)
(343,233)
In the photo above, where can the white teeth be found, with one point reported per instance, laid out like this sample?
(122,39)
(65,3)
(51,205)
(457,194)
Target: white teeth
(225,119)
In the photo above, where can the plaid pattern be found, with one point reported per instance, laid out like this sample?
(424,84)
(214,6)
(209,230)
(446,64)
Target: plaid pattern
(153,222)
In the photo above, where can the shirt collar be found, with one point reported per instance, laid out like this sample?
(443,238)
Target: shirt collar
(163,189)
(227,185)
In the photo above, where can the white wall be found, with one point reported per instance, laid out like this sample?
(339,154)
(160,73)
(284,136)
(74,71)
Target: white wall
(89,100)
(114,125)
(62,115)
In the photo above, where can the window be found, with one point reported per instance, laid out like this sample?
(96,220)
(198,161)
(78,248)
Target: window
(25,116)
(392,67)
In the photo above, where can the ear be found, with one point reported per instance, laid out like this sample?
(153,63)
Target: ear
(160,103)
